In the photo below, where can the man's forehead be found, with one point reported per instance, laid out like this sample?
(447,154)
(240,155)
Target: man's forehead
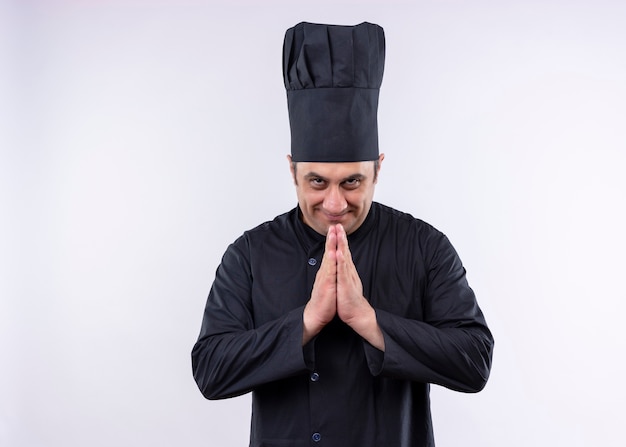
(328,169)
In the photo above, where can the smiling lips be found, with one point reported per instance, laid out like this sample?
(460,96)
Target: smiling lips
(334,217)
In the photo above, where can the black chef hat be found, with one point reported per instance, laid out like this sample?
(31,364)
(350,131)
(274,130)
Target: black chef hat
(333,75)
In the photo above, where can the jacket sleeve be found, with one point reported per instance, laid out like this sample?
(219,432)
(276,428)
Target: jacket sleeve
(452,346)
(232,356)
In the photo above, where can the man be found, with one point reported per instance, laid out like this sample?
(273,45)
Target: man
(339,314)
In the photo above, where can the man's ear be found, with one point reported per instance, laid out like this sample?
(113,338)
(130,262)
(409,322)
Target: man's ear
(292,169)
(381,157)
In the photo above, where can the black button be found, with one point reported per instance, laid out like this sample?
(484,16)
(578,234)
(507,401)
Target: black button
(315,377)
(312,261)
(316,437)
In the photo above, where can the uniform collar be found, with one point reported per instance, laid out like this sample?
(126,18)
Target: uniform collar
(366,226)
(309,238)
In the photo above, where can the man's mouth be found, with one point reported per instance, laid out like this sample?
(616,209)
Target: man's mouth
(334,217)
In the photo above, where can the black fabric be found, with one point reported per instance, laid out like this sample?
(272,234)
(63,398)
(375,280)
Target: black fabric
(333,75)
(251,335)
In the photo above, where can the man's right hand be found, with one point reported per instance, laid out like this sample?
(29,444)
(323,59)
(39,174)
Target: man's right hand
(322,307)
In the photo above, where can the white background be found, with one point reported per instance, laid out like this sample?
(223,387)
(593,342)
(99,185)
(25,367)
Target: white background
(139,138)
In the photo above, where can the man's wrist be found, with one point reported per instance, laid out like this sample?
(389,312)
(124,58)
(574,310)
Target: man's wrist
(310,326)
(367,327)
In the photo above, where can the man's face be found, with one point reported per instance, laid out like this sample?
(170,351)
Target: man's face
(333,193)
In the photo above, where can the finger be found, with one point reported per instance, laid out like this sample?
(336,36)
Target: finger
(330,248)
(342,245)
(346,271)
(342,238)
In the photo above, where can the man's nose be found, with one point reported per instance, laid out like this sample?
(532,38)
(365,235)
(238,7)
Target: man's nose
(334,201)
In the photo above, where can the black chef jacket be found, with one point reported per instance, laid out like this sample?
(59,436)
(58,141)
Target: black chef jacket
(338,390)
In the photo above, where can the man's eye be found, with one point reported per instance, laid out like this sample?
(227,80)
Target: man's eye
(352,183)
(317,182)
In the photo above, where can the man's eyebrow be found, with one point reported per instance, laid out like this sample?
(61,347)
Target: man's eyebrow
(312,174)
(356,176)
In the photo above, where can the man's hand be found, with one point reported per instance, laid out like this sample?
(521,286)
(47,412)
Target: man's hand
(322,307)
(352,307)
(338,290)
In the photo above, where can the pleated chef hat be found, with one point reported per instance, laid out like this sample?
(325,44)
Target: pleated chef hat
(333,74)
